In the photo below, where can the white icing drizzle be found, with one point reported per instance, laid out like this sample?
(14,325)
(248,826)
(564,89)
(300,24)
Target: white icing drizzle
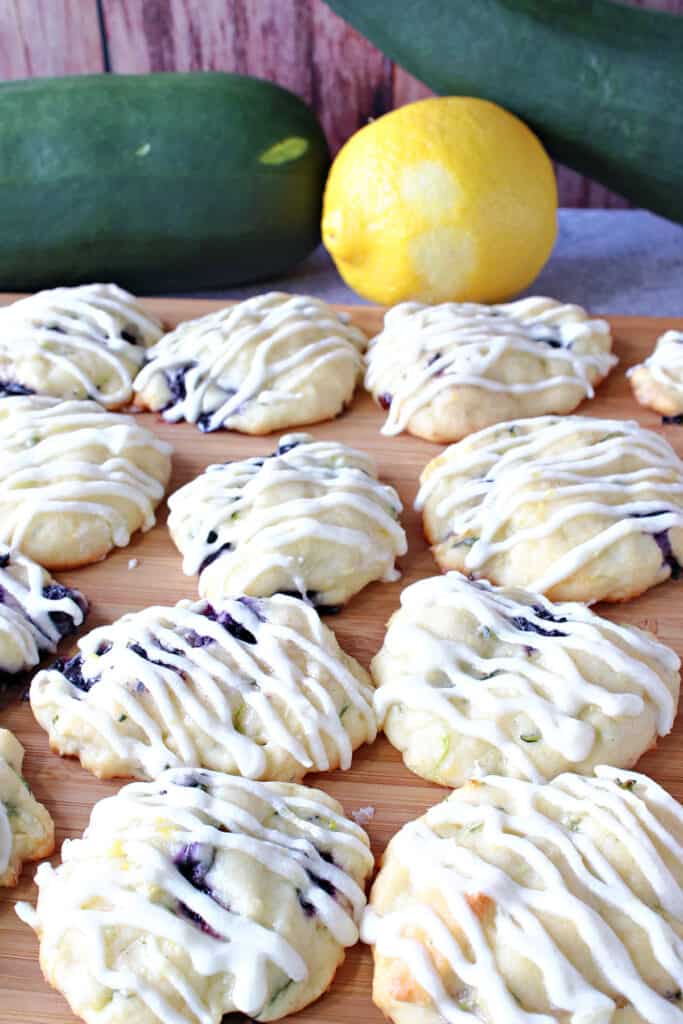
(78,331)
(43,468)
(281,336)
(123,872)
(483,693)
(503,468)
(189,678)
(666,361)
(465,345)
(535,826)
(231,504)
(25,611)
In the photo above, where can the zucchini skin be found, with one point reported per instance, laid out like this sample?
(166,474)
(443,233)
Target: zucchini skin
(155,181)
(600,83)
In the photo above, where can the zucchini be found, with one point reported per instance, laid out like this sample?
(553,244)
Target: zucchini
(158,182)
(600,83)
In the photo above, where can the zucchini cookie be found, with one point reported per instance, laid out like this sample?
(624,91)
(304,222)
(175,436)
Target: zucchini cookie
(270,362)
(255,687)
(658,382)
(75,480)
(312,519)
(35,612)
(474,679)
(445,371)
(83,342)
(201,895)
(580,509)
(512,903)
(26,829)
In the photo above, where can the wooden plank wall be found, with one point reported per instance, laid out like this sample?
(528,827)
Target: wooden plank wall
(299,43)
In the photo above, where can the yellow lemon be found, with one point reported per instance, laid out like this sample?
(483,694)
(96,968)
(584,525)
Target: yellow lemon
(447,199)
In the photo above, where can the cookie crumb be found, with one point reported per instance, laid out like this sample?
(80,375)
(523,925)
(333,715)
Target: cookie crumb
(363,815)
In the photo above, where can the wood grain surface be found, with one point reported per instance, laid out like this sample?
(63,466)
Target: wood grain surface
(49,37)
(377,777)
(300,44)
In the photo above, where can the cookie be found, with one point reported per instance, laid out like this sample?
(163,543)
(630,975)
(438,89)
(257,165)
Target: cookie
(35,612)
(201,895)
(579,509)
(255,687)
(474,679)
(442,372)
(75,480)
(26,829)
(83,342)
(658,382)
(268,363)
(312,519)
(517,902)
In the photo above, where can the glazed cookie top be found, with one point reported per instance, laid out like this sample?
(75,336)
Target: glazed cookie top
(254,513)
(35,611)
(83,342)
(220,370)
(666,361)
(527,677)
(518,902)
(60,457)
(532,345)
(26,828)
(528,480)
(11,758)
(257,687)
(658,381)
(229,884)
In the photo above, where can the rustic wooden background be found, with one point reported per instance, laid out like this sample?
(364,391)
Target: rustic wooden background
(299,43)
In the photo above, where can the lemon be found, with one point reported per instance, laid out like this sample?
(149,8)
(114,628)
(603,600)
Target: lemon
(446,199)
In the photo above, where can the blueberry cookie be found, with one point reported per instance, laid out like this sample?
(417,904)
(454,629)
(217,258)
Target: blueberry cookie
(577,508)
(201,895)
(26,828)
(658,382)
(84,342)
(270,362)
(75,480)
(255,687)
(311,519)
(442,372)
(474,679)
(35,612)
(512,902)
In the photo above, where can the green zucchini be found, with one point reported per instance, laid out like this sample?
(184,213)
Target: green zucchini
(158,182)
(600,83)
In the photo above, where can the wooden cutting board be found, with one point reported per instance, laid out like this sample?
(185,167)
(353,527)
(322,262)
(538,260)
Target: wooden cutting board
(377,777)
